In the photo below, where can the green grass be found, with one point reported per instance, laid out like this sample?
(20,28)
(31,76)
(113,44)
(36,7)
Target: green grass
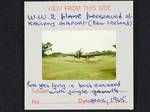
(70,68)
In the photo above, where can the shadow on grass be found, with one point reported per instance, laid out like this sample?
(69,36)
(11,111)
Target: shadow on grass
(81,61)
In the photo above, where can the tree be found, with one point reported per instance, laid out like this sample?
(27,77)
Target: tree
(46,47)
(114,46)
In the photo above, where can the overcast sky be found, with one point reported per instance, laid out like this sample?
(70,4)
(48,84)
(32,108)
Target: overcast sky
(71,41)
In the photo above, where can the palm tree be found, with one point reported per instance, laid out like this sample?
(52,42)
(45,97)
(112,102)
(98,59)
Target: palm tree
(114,45)
(46,47)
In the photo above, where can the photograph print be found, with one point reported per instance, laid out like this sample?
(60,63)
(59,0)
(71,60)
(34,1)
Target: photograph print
(79,55)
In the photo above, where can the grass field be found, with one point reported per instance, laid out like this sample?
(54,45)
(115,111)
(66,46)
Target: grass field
(70,68)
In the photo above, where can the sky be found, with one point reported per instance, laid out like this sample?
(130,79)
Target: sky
(71,41)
